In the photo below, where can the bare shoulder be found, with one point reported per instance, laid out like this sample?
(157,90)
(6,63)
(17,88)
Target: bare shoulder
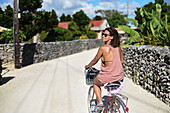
(104,47)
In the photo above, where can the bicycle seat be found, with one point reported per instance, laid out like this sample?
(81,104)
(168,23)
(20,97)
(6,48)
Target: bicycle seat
(113,84)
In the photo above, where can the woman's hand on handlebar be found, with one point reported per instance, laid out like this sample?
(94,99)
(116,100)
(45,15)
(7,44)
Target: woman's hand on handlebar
(86,67)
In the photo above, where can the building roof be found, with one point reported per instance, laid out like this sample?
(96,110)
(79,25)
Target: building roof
(3,29)
(63,24)
(96,23)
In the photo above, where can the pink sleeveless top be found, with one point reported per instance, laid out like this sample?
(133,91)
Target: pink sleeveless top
(113,72)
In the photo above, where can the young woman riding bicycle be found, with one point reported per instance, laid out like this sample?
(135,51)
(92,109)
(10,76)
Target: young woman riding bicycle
(111,62)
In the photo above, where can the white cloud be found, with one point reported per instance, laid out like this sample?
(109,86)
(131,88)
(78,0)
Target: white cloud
(72,6)
(9,2)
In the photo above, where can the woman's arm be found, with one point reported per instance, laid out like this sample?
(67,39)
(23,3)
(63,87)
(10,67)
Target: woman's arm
(121,55)
(96,58)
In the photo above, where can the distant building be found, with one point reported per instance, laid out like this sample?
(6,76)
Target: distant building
(98,27)
(63,25)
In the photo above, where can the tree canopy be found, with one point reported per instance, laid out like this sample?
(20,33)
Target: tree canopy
(81,19)
(113,17)
(6,17)
(30,5)
(64,18)
(150,6)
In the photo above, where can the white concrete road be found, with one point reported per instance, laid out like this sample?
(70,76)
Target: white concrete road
(58,86)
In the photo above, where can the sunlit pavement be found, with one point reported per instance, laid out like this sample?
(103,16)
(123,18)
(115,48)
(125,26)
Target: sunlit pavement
(58,86)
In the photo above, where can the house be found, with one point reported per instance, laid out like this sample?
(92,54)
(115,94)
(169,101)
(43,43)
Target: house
(98,26)
(63,24)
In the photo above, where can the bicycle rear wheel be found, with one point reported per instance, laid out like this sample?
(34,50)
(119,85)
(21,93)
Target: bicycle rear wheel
(117,107)
(92,100)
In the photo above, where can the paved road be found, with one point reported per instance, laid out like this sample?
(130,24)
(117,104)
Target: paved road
(58,86)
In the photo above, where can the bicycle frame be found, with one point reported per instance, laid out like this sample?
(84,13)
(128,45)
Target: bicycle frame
(111,102)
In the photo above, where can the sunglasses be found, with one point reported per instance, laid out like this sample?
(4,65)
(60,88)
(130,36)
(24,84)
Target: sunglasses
(105,34)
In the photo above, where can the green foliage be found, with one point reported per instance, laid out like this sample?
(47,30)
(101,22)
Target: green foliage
(91,34)
(9,36)
(43,35)
(81,19)
(64,18)
(134,35)
(97,17)
(6,17)
(76,34)
(128,30)
(116,19)
(113,17)
(30,5)
(154,30)
(59,34)
(148,7)
(43,21)
(72,26)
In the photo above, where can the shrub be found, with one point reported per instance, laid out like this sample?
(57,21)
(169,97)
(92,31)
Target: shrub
(83,37)
(91,34)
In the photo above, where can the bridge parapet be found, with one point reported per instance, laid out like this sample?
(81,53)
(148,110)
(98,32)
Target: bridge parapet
(149,66)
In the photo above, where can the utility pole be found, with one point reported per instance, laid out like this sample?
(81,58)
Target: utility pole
(127,8)
(16,36)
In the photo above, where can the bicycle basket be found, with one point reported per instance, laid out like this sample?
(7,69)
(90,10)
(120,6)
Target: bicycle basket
(91,73)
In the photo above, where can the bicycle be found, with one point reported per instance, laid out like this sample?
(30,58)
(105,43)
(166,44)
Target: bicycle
(115,103)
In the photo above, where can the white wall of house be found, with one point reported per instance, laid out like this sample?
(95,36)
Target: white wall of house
(104,25)
(100,35)
(99,29)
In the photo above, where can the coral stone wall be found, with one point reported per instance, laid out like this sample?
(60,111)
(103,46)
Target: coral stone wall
(149,67)
(37,52)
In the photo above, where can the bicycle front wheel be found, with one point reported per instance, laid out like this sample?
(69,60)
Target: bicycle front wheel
(92,100)
(117,107)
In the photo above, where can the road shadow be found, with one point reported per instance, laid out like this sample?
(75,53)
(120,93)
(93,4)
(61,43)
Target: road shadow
(6,79)
(28,54)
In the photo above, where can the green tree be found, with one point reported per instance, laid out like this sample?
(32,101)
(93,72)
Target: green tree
(154,30)
(91,34)
(26,24)
(116,19)
(59,34)
(148,7)
(64,18)
(30,5)
(113,17)
(45,20)
(1,11)
(69,18)
(8,36)
(97,17)
(6,17)
(81,19)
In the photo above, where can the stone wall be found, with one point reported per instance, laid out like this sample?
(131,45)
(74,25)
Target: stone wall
(38,52)
(150,68)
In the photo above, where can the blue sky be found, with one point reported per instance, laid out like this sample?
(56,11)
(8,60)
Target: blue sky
(89,6)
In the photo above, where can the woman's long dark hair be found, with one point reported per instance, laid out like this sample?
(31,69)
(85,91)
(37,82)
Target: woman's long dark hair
(115,42)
